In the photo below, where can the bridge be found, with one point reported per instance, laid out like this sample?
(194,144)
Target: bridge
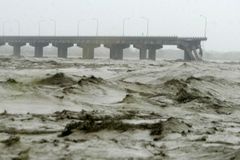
(147,45)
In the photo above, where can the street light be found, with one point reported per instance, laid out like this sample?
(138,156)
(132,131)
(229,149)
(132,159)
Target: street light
(52,20)
(124,22)
(39,27)
(97,21)
(78,26)
(19,27)
(55,26)
(205,28)
(2,29)
(147,20)
(5,22)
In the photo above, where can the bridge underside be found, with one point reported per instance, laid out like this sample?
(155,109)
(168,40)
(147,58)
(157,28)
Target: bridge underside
(192,52)
(147,45)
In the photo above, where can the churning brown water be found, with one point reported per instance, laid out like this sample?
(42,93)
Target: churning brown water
(101,109)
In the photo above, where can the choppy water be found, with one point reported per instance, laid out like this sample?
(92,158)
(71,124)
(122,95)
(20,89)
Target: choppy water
(192,109)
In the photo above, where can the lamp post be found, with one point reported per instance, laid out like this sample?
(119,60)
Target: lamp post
(19,27)
(205,27)
(78,26)
(2,28)
(147,21)
(55,26)
(97,21)
(39,27)
(124,22)
(18,24)
(78,30)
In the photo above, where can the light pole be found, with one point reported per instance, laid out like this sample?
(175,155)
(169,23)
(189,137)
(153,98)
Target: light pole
(147,20)
(39,27)
(3,29)
(1,26)
(205,28)
(78,30)
(78,26)
(97,21)
(5,22)
(19,27)
(55,26)
(124,22)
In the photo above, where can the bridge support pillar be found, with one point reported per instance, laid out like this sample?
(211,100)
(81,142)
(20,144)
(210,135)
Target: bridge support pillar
(142,50)
(62,49)
(116,50)
(17,48)
(152,50)
(88,50)
(192,52)
(38,49)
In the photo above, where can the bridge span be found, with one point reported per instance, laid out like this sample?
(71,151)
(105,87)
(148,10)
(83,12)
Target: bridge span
(147,45)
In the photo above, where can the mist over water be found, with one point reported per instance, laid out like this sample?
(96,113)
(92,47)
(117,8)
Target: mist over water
(167,18)
(171,108)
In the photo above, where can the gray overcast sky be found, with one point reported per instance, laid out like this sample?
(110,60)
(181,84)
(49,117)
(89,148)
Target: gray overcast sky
(167,17)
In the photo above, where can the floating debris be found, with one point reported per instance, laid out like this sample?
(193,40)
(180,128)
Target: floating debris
(13,139)
(58,79)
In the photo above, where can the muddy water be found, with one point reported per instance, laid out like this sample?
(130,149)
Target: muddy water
(76,109)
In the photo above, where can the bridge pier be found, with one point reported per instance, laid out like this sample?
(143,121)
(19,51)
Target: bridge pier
(17,48)
(198,52)
(142,50)
(88,50)
(152,50)
(192,52)
(62,49)
(116,50)
(38,49)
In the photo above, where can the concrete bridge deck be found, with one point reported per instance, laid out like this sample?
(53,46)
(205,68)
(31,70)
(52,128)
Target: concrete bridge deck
(191,45)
